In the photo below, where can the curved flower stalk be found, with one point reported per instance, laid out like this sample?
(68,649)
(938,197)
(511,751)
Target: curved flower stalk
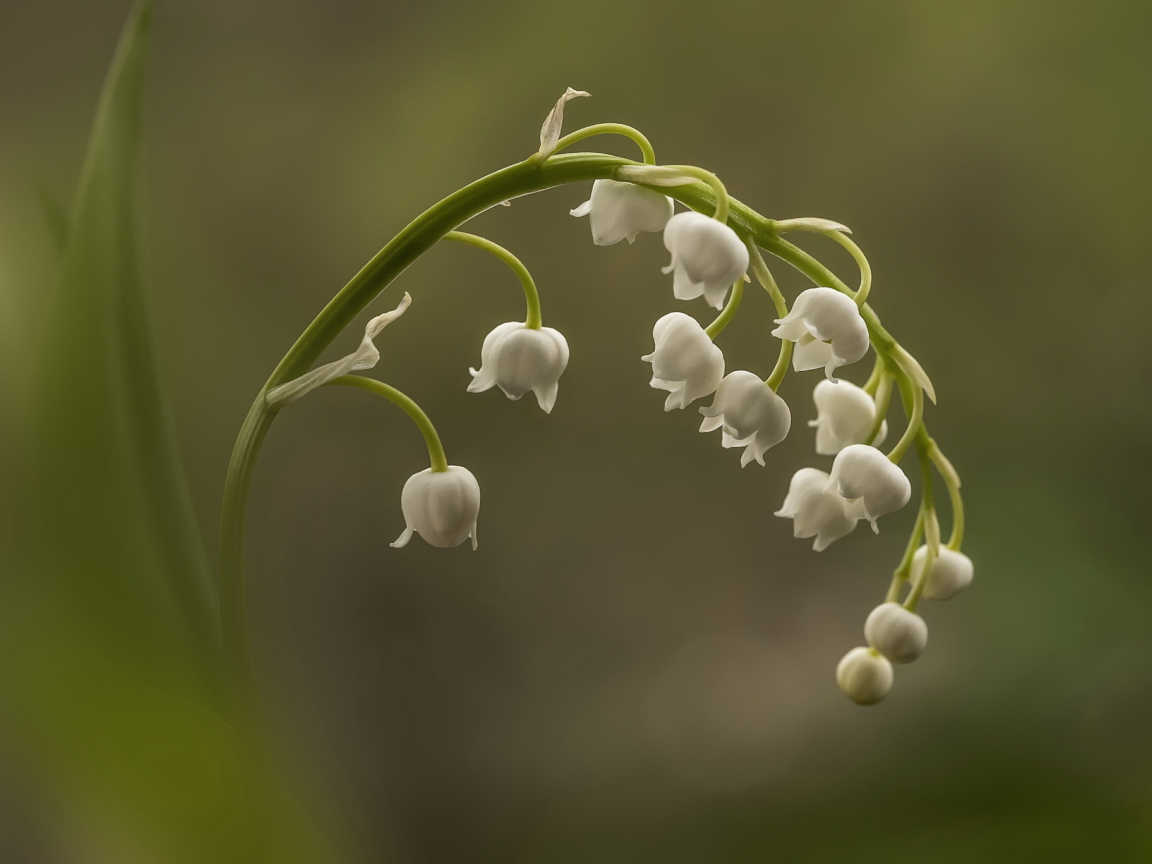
(712,244)
(515,357)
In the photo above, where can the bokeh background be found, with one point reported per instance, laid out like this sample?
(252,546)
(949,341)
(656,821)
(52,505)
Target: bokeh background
(637,664)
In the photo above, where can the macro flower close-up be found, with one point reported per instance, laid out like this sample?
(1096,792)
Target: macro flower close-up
(285,286)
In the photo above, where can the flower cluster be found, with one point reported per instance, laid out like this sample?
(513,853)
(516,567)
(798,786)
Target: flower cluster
(829,327)
(825,329)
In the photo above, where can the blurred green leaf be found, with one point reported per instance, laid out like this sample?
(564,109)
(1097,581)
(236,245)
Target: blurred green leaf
(120,526)
(110,646)
(55,218)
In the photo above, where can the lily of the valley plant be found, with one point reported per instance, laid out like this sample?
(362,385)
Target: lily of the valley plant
(712,243)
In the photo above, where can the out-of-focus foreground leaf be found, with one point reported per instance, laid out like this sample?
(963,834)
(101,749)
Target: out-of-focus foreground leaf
(109,650)
(122,534)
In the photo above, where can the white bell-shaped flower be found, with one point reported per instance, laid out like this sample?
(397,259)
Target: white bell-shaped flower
(750,413)
(864,474)
(845,415)
(619,211)
(684,362)
(707,257)
(517,359)
(816,512)
(440,506)
(896,633)
(827,329)
(951,573)
(864,675)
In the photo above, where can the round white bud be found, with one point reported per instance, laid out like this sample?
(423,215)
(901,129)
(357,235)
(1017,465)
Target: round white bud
(896,633)
(951,573)
(864,676)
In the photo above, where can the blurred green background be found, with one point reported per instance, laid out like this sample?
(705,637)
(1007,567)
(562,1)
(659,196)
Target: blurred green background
(637,664)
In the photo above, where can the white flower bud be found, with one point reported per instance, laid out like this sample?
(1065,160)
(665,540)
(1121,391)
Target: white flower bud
(707,257)
(619,211)
(684,362)
(827,329)
(896,633)
(951,573)
(751,414)
(440,506)
(864,676)
(845,415)
(815,511)
(865,474)
(518,359)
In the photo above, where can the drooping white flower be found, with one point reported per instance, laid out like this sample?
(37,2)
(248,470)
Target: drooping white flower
(517,359)
(816,512)
(862,473)
(951,573)
(864,675)
(707,257)
(619,211)
(896,633)
(827,329)
(845,414)
(684,362)
(750,413)
(440,506)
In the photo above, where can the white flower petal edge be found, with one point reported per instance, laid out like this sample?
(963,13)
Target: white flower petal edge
(862,473)
(619,211)
(518,359)
(707,257)
(845,415)
(898,634)
(864,676)
(440,506)
(816,512)
(684,361)
(364,357)
(751,415)
(951,573)
(827,329)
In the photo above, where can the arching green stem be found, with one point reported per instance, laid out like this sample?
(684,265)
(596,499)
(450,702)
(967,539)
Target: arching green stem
(662,177)
(413,241)
(861,295)
(905,566)
(765,278)
(533,320)
(913,398)
(431,438)
(882,397)
(421,234)
(642,142)
(728,312)
(931,526)
(878,369)
(952,483)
